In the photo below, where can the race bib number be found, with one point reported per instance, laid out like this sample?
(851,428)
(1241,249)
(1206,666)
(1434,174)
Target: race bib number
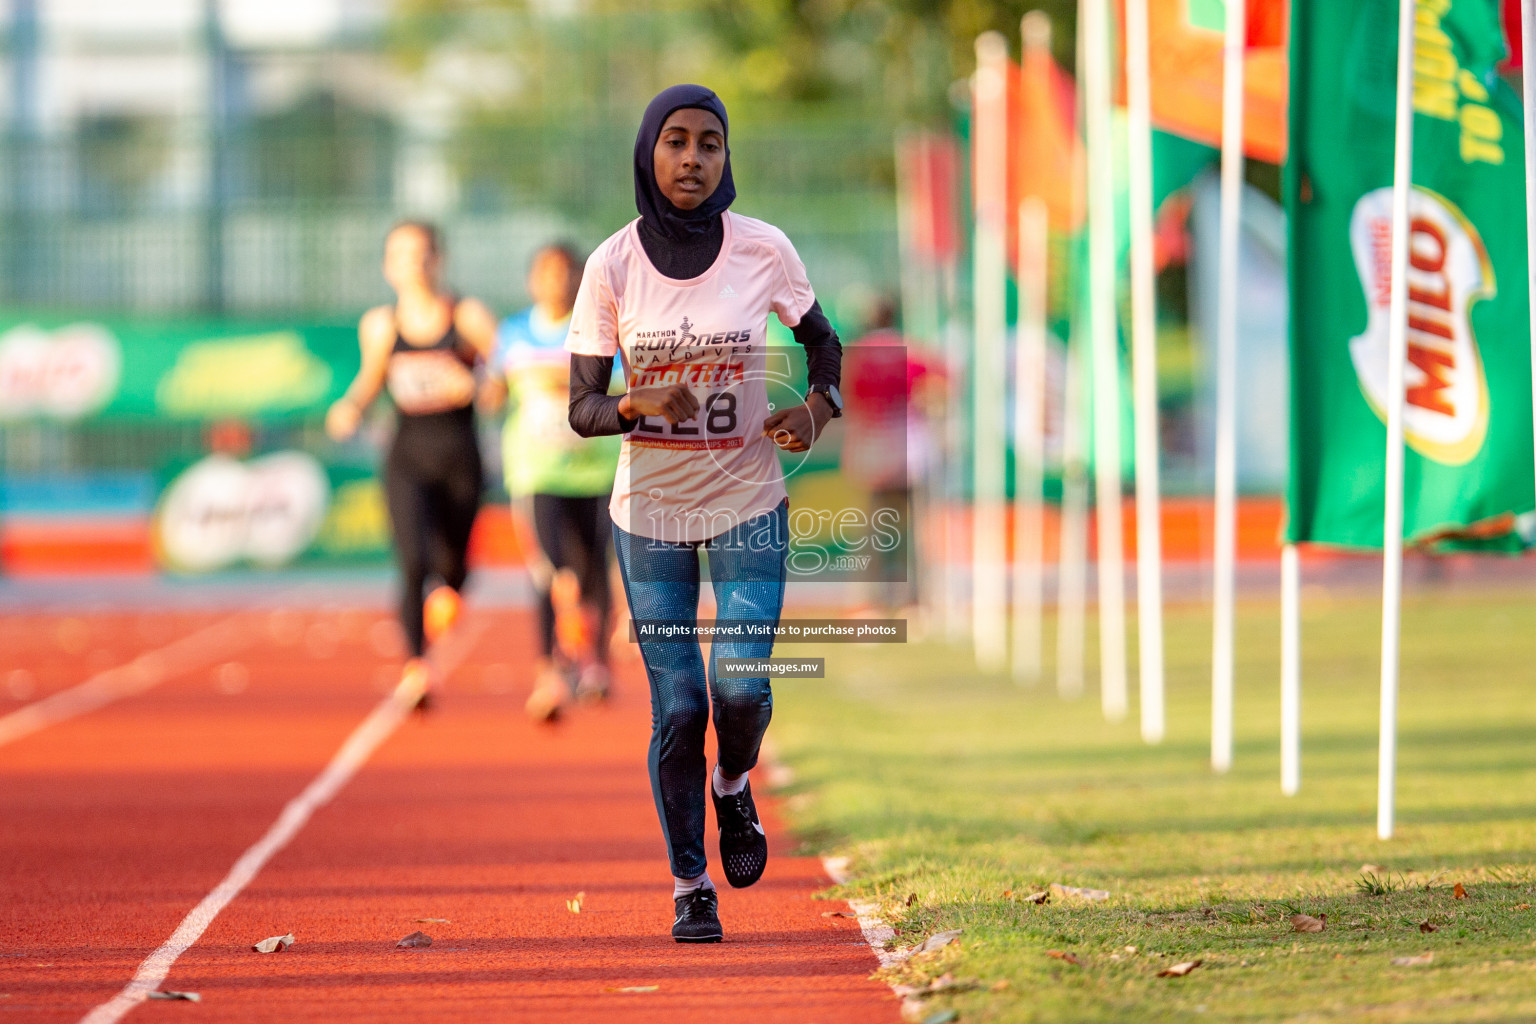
(719,423)
(430,381)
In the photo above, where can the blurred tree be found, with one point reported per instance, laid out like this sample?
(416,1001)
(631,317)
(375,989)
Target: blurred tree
(900,56)
(894,60)
(120,158)
(320,148)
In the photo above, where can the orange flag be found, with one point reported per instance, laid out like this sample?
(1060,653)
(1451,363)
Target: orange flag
(1186,42)
(1046,154)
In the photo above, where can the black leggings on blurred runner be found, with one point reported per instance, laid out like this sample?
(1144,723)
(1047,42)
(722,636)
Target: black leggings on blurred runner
(432,481)
(573,534)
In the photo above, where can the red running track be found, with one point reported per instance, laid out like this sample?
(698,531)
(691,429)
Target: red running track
(115,824)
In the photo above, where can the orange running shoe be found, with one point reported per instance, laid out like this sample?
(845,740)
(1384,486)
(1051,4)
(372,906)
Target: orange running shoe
(550,695)
(416,685)
(575,626)
(439,612)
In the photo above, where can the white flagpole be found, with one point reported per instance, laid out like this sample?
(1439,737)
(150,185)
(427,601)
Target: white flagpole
(1072,556)
(1222,652)
(919,307)
(1149,535)
(1528,77)
(1072,571)
(1290,670)
(956,560)
(1029,442)
(989,615)
(1106,362)
(1397,356)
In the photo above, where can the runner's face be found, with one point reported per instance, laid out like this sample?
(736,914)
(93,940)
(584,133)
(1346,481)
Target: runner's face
(552,282)
(689,157)
(409,261)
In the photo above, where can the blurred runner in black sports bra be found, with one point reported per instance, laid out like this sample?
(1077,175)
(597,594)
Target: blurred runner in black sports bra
(423,349)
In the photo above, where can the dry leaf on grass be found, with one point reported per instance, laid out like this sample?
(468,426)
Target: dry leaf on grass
(1426,927)
(1061,954)
(276,944)
(911,898)
(938,941)
(433,920)
(949,983)
(574,905)
(1522,906)
(634,988)
(1459,893)
(1308,923)
(1179,970)
(1080,893)
(415,940)
(1413,961)
(1043,896)
(1000,985)
(190,997)
(1372,869)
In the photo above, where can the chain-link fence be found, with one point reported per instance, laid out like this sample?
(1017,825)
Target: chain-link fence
(293,224)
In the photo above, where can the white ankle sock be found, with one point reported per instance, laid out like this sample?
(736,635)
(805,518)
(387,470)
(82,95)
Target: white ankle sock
(684,886)
(724,788)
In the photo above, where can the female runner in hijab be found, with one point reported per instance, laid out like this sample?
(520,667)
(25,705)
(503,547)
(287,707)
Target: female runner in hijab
(683,294)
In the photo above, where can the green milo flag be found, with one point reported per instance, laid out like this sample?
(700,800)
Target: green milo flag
(1468,472)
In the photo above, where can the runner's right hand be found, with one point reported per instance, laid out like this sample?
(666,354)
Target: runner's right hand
(672,402)
(341,419)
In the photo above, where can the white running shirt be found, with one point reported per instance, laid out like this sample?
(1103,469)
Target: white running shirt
(695,480)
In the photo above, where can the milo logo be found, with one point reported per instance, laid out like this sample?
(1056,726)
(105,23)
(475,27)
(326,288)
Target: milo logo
(220,511)
(1446,409)
(65,374)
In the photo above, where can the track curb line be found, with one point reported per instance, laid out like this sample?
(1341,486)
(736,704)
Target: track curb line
(878,933)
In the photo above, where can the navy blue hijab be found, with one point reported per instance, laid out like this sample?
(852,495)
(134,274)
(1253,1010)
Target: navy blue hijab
(656,210)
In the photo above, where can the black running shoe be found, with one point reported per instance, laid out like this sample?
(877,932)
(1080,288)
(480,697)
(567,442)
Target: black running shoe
(698,917)
(743,843)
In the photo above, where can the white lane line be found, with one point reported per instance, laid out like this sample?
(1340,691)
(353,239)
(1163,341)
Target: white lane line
(354,753)
(148,670)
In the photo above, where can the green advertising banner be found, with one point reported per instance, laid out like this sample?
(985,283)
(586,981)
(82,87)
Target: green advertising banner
(1468,413)
(69,369)
(275,509)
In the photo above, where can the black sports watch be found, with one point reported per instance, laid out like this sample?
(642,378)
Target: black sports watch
(833,396)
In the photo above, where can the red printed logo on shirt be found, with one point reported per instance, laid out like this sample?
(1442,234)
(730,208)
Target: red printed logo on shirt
(690,375)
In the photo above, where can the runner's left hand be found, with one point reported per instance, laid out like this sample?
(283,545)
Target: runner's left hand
(492,396)
(795,429)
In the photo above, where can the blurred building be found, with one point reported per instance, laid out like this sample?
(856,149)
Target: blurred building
(244,156)
(193,197)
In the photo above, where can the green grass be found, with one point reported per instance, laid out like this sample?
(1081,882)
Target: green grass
(957,789)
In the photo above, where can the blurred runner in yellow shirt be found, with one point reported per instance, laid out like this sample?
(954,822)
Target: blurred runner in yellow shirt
(559,483)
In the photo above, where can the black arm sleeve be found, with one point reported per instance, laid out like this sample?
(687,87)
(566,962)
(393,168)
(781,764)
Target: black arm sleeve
(823,352)
(593,411)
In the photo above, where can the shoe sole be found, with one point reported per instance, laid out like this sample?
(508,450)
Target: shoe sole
(736,883)
(702,939)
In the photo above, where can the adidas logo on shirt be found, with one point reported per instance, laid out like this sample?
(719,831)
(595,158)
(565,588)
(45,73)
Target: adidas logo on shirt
(727,292)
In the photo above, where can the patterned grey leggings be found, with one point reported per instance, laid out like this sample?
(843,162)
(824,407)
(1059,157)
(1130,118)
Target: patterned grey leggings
(661,579)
